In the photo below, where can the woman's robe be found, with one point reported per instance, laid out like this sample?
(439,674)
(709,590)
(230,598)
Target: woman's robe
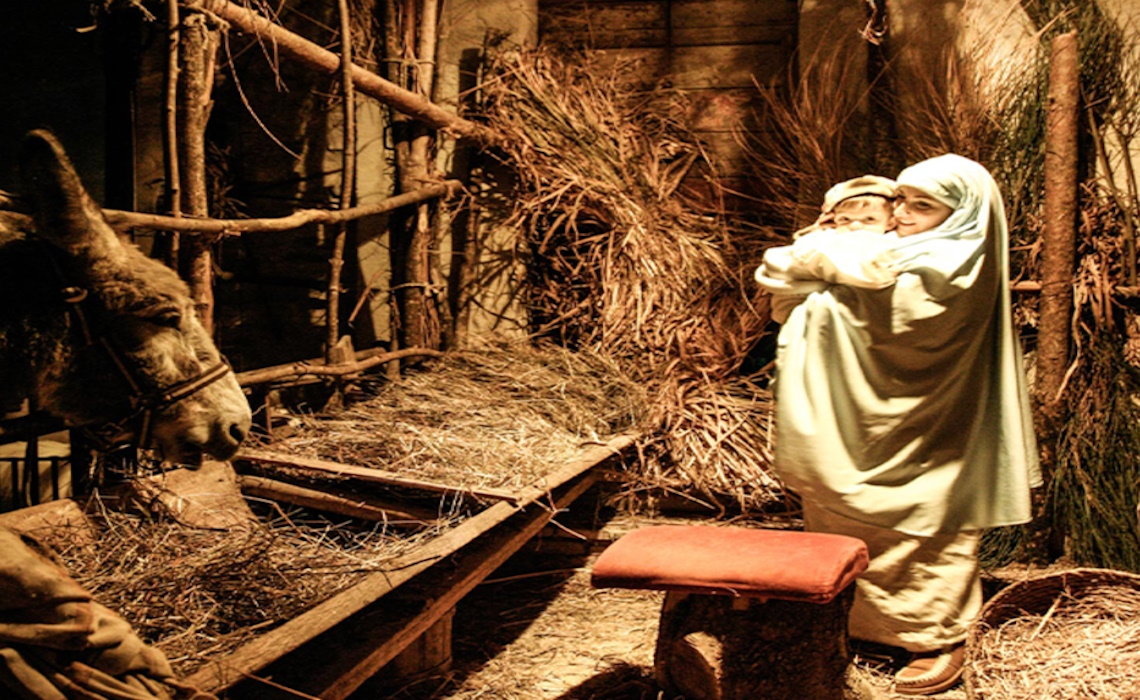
(903,404)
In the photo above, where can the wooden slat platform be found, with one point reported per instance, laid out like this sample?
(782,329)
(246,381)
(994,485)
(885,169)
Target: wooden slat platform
(333,648)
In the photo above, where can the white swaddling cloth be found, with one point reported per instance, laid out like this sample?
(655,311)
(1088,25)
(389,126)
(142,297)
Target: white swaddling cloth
(819,259)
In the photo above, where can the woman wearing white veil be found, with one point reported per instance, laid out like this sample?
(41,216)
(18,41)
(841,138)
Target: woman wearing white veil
(902,411)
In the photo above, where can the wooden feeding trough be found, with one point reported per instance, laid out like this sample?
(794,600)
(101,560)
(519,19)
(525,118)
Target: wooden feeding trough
(394,621)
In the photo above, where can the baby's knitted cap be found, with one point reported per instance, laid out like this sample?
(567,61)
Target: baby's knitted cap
(865,184)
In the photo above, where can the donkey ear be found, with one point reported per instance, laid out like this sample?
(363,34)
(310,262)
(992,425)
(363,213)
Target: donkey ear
(65,214)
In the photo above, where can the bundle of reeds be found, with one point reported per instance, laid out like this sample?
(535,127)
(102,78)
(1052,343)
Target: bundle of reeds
(624,260)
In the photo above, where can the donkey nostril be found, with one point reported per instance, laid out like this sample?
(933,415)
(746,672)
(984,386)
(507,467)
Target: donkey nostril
(237,433)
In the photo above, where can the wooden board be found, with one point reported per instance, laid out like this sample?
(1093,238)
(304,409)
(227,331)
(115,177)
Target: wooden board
(369,474)
(688,67)
(656,23)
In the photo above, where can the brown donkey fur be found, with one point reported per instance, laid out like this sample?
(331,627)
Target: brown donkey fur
(54,350)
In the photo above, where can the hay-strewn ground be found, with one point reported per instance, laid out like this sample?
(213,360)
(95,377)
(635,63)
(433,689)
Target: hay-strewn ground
(536,630)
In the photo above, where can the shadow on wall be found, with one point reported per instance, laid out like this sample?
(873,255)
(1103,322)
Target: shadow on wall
(59,84)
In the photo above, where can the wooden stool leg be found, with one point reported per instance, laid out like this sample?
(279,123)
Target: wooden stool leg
(708,648)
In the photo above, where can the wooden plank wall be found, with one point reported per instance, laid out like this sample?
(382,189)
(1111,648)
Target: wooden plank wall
(713,50)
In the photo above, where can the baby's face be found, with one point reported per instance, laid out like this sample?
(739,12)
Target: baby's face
(875,220)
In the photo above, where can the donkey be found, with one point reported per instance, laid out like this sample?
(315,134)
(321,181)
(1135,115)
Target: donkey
(96,333)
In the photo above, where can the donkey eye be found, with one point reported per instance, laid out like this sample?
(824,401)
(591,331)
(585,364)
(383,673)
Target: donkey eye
(167,318)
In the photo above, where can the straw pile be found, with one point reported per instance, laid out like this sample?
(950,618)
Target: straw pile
(1082,646)
(624,260)
(199,594)
(497,417)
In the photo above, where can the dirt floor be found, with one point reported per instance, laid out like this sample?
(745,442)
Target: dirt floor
(536,630)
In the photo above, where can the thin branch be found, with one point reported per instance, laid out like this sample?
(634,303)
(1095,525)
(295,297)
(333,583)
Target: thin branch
(304,368)
(347,177)
(170,124)
(128,219)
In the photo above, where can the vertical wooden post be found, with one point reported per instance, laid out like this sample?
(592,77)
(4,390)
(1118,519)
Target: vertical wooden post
(170,126)
(428,655)
(412,162)
(347,178)
(80,460)
(396,71)
(1058,250)
(196,79)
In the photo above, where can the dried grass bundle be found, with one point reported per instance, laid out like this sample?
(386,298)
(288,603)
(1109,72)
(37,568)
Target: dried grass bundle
(198,594)
(1083,646)
(718,427)
(815,134)
(497,417)
(622,259)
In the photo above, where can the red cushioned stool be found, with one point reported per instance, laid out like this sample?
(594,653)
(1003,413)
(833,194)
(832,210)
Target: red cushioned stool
(749,614)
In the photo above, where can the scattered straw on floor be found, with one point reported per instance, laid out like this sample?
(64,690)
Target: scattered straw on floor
(1080,648)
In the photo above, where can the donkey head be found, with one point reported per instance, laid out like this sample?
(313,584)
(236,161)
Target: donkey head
(134,356)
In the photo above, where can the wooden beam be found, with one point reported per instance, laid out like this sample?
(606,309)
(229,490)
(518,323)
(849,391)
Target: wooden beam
(277,644)
(129,219)
(17,211)
(369,509)
(375,476)
(1059,215)
(28,427)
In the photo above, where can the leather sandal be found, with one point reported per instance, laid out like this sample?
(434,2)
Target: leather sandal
(932,672)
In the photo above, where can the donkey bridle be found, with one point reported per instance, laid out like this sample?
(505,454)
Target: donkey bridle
(143,404)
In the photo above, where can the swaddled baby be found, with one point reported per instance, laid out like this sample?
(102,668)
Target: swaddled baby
(845,245)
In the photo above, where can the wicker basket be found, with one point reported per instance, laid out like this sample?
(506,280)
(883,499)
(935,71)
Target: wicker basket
(1037,596)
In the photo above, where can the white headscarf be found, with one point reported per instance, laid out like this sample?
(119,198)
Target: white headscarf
(906,407)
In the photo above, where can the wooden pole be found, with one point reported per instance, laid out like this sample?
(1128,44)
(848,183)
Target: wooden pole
(170,126)
(198,48)
(419,253)
(1058,249)
(295,370)
(347,178)
(354,506)
(395,69)
(371,475)
(121,220)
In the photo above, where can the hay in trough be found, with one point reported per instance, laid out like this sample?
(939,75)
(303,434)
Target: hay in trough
(1079,643)
(625,259)
(199,594)
(497,417)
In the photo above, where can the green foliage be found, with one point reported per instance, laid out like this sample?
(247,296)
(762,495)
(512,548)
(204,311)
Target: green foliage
(1094,486)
